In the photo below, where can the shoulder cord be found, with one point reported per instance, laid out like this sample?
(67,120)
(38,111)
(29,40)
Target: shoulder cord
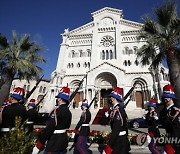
(112,114)
(174,116)
(55,116)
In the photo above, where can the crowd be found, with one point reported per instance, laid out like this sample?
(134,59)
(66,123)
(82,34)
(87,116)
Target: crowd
(53,139)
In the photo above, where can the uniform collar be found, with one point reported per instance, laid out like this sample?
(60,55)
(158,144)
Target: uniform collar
(169,106)
(115,105)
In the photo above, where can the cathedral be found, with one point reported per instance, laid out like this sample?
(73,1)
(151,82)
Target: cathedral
(103,54)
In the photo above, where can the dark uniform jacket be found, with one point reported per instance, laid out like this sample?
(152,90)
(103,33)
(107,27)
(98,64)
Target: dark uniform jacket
(152,120)
(118,123)
(32,116)
(9,114)
(60,120)
(172,122)
(84,119)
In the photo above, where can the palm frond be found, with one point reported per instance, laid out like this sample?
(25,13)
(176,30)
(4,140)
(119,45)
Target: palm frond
(166,13)
(3,42)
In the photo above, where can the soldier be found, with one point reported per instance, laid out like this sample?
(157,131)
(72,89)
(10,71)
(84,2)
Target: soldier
(81,145)
(118,142)
(55,131)
(172,120)
(10,112)
(32,114)
(152,120)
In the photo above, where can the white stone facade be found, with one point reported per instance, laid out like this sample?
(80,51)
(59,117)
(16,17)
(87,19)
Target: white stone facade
(104,49)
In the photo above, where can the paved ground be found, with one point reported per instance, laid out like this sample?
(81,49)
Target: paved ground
(94,149)
(135,149)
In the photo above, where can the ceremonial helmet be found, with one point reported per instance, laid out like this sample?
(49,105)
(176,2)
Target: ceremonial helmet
(18,93)
(32,103)
(64,94)
(117,93)
(85,103)
(168,92)
(152,103)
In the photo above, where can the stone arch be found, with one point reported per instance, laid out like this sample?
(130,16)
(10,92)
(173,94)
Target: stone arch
(105,82)
(79,95)
(141,93)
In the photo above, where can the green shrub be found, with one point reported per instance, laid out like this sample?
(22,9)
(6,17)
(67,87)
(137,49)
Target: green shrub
(17,141)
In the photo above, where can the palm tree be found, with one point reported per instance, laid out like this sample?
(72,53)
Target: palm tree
(18,58)
(162,33)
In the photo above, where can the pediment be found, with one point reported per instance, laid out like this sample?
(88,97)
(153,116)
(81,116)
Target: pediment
(107,65)
(107,10)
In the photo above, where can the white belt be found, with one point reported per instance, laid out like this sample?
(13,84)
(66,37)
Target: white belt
(60,131)
(122,133)
(6,129)
(29,122)
(85,125)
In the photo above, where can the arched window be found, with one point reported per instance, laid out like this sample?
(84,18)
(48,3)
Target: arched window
(135,49)
(40,89)
(129,62)
(69,65)
(80,53)
(103,55)
(89,53)
(107,55)
(78,65)
(126,50)
(44,89)
(125,63)
(111,54)
(88,64)
(72,65)
(73,53)
(136,62)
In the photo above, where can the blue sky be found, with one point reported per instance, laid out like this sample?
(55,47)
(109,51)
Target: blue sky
(45,20)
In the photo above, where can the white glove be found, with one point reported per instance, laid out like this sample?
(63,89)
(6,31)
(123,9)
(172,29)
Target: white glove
(106,114)
(148,139)
(35,150)
(104,152)
(73,134)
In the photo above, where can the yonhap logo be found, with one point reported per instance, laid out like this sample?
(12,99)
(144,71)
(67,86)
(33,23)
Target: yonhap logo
(143,139)
(167,140)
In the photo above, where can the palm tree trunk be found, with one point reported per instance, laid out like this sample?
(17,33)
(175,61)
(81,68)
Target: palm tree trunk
(5,89)
(174,72)
(158,83)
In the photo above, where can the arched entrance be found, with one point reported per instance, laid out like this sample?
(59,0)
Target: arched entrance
(141,93)
(79,95)
(105,82)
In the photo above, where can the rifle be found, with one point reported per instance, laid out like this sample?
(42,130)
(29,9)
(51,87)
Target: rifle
(41,99)
(128,93)
(76,90)
(74,142)
(33,89)
(93,99)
